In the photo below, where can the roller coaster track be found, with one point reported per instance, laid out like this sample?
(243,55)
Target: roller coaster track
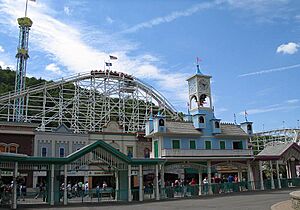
(261,139)
(88,101)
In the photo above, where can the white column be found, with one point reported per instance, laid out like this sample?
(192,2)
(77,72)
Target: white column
(65,184)
(262,187)
(240,174)
(117,186)
(250,175)
(272,177)
(156,183)
(52,186)
(14,198)
(162,180)
(129,183)
(290,171)
(209,177)
(287,170)
(200,182)
(278,175)
(141,184)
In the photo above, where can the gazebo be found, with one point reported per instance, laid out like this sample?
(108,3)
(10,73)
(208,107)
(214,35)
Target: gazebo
(279,153)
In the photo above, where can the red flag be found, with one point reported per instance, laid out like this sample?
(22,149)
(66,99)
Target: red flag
(198,60)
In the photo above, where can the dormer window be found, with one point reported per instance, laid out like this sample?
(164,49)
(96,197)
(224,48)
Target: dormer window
(217,125)
(249,127)
(201,119)
(2,147)
(161,122)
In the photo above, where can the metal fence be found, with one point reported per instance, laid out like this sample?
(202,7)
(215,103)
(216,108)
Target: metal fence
(98,195)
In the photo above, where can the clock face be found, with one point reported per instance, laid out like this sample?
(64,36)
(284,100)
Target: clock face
(192,86)
(203,84)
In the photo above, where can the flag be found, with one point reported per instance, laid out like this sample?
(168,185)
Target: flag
(108,64)
(246,114)
(33,0)
(198,60)
(111,57)
(234,117)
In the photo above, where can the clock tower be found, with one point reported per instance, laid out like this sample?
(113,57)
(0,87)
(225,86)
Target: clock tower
(199,91)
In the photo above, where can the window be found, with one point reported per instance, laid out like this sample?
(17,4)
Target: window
(156,149)
(249,127)
(176,144)
(146,153)
(44,152)
(201,119)
(61,152)
(161,122)
(237,145)
(13,149)
(222,144)
(207,144)
(2,147)
(217,125)
(192,144)
(130,152)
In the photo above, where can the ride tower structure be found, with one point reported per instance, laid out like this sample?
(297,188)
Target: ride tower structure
(22,55)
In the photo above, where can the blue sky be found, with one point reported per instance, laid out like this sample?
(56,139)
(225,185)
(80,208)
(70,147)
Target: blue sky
(250,47)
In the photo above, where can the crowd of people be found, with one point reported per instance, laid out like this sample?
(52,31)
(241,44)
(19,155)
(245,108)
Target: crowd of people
(191,187)
(7,189)
(82,189)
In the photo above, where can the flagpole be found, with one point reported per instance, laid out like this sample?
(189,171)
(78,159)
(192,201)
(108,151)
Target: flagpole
(26,8)
(234,117)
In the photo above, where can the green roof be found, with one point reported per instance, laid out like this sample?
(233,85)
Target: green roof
(9,157)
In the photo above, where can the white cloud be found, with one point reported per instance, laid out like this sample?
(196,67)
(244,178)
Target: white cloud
(263,9)
(1,49)
(284,68)
(171,17)
(68,47)
(286,106)
(220,110)
(292,101)
(290,48)
(4,65)
(52,67)
(67,10)
(109,20)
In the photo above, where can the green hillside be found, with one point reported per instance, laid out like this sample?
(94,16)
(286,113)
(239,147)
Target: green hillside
(7,80)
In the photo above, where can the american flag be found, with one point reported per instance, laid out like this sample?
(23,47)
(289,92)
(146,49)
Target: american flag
(111,57)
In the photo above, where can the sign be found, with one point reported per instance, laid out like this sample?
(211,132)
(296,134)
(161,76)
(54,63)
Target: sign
(100,173)
(10,173)
(40,173)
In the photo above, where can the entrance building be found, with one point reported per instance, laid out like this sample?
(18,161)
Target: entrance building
(201,147)
(123,176)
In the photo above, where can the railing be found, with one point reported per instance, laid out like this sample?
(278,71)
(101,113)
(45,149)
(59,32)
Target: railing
(205,152)
(149,193)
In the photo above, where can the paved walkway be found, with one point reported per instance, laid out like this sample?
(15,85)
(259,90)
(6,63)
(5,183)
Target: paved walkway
(244,201)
